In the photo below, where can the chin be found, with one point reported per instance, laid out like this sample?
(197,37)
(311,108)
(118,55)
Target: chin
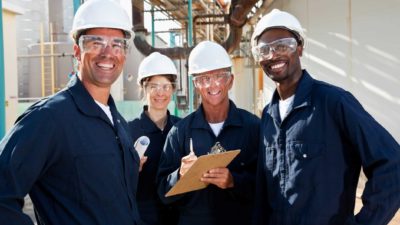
(276,78)
(159,105)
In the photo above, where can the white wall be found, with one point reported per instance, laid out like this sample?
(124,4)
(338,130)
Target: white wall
(242,91)
(354,45)
(10,62)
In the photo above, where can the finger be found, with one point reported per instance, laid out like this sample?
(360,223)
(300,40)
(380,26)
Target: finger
(212,180)
(221,183)
(209,175)
(223,176)
(222,180)
(218,170)
(188,159)
(143,159)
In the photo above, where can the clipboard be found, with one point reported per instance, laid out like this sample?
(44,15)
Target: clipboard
(191,180)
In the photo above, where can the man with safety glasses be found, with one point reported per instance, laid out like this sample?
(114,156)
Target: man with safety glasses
(217,124)
(315,138)
(71,152)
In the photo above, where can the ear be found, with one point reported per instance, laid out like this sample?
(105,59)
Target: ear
(232,78)
(77,52)
(300,50)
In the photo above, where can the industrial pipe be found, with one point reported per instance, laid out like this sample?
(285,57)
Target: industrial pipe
(237,19)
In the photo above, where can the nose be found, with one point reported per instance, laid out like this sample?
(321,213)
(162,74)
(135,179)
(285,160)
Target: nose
(159,90)
(107,50)
(269,56)
(215,82)
(272,54)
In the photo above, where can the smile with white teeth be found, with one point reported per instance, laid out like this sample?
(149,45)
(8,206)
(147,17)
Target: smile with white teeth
(214,92)
(277,66)
(105,65)
(159,99)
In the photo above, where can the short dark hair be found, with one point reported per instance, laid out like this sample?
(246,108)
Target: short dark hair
(78,35)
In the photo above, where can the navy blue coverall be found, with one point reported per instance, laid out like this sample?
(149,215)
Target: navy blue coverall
(77,167)
(310,162)
(152,211)
(212,205)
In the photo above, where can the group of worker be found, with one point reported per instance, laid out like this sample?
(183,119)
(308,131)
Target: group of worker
(74,154)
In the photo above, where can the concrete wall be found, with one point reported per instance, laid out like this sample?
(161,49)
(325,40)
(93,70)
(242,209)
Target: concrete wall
(354,45)
(242,92)
(10,62)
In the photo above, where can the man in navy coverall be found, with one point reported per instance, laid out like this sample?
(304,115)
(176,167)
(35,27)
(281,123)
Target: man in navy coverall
(230,196)
(71,152)
(315,139)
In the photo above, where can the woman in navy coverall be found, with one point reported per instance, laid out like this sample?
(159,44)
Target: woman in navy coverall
(157,76)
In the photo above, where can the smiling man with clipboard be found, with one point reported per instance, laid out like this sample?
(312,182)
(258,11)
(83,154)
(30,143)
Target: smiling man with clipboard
(224,193)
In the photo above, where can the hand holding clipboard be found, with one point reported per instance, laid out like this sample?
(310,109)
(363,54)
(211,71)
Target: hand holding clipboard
(191,179)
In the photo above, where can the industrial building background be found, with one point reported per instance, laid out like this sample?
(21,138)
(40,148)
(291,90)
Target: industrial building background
(350,43)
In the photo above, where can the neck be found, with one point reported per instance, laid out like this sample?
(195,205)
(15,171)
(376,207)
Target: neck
(159,117)
(98,93)
(216,114)
(285,91)
(288,87)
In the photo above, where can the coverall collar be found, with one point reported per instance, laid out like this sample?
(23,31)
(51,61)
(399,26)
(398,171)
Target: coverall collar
(302,96)
(85,102)
(233,118)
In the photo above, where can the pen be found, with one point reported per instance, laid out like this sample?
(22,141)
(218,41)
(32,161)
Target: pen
(191,147)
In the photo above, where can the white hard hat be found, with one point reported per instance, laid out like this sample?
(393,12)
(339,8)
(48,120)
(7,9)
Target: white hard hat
(101,14)
(208,56)
(156,64)
(278,19)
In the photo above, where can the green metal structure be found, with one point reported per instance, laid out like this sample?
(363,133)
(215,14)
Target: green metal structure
(153,29)
(2,78)
(77,3)
(190,44)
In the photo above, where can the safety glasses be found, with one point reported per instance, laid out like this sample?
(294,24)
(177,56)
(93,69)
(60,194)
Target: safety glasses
(204,81)
(265,51)
(96,44)
(158,87)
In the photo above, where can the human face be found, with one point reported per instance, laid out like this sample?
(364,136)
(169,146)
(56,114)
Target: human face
(158,91)
(281,65)
(100,66)
(213,86)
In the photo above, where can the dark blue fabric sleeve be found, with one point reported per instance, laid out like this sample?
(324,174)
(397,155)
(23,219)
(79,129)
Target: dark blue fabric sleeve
(168,170)
(380,157)
(25,155)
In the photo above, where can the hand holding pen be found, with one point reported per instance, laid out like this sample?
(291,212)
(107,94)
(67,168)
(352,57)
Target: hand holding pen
(188,160)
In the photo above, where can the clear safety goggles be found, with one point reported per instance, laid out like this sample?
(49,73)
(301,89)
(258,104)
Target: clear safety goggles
(265,51)
(204,81)
(97,43)
(158,87)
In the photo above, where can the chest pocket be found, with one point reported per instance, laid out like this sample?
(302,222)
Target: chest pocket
(304,152)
